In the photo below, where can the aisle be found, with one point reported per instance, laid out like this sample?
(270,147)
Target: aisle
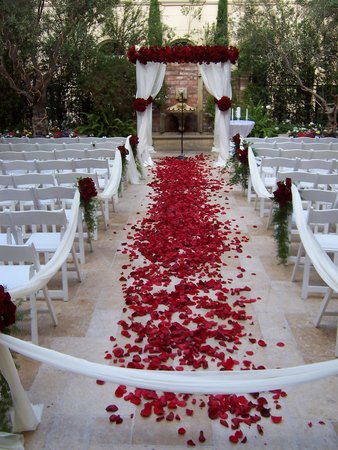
(75,413)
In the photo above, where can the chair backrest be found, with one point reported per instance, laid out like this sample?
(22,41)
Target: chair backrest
(328,181)
(320,198)
(49,146)
(101,153)
(91,164)
(296,153)
(16,195)
(6,181)
(22,146)
(4,147)
(71,178)
(19,254)
(12,156)
(70,153)
(258,145)
(57,195)
(290,145)
(317,145)
(317,164)
(325,154)
(111,145)
(323,219)
(76,145)
(299,177)
(270,152)
(39,155)
(34,180)
(57,165)
(38,217)
(280,163)
(16,167)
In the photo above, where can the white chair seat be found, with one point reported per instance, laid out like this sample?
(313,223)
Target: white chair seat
(16,275)
(328,242)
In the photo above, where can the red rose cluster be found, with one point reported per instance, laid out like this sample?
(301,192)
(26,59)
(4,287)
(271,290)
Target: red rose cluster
(133,140)
(241,153)
(224,103)
(124,152)
(197,54)
(283,193)
(87,189)
(141,104)
(7,309)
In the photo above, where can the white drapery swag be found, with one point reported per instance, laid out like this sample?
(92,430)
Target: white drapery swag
(217,80)
(149,79)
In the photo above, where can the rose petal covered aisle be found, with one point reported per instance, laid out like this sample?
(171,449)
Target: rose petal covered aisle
(183,311)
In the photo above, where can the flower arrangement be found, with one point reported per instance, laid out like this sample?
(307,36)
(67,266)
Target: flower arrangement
(312,131)
(141,104)
(282,210)
(7,319)
(238,163)
(224,103)
(134,140)
(88,201)
(197,54)
(124,152)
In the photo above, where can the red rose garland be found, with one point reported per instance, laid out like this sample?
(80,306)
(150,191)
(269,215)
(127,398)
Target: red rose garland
(224,103)
(181,313)
(282,210)
(198,54)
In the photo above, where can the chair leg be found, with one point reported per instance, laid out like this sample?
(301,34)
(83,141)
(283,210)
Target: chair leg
(50,305)
(34,319)
(76,264)
(297,262)
(64,274)
(103,214)
(306,278)
(323,306)
(336,352)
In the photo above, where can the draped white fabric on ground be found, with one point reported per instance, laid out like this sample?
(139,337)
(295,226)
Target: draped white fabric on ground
(149,78)
(217,79)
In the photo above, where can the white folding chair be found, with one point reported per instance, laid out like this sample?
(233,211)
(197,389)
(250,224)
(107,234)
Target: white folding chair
(13,199)
(55,166)
(39,155)
(70,153)
(18,264)
(47,229)
(18,167)
(61,197)
(71,180)
(31,180)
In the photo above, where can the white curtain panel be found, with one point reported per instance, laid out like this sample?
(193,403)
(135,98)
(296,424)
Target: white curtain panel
(217,80)
(149,79)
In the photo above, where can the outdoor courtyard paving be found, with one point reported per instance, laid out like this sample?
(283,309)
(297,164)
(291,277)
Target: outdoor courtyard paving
(74,406)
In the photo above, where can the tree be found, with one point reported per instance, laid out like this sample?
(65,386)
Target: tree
(35,37)
(292,47)
(221,31)
(155,29)
(125,25)
(192,11)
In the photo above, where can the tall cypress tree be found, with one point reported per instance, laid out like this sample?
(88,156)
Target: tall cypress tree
(155,30)
(221,32)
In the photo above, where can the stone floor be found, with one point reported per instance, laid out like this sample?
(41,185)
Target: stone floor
(74,406)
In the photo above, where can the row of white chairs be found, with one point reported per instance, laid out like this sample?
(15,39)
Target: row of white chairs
(29,147)
(68,153)
(320,212)
(44,239)
(297,153)
(292,139)
(76,139)
(315,146)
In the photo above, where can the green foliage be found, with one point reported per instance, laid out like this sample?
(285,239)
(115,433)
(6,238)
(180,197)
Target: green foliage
(221,31)
(103,124)
(265,126)
(155,30)
(287,68)
(280,220)
(192,10)
(125,25)
(5,404)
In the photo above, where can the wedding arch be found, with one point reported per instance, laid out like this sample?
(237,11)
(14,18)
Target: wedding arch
(214,61)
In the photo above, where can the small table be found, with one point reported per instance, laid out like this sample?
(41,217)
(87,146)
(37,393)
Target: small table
(243,127)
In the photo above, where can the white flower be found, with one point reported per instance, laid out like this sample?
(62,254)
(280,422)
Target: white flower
(268,107)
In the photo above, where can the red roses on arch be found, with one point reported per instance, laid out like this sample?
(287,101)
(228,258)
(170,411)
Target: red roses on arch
(224,103)
(141,104)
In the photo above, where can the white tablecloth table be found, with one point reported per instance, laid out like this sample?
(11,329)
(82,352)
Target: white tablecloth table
(243,127)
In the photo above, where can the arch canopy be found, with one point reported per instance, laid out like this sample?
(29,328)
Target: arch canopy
(215,64)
